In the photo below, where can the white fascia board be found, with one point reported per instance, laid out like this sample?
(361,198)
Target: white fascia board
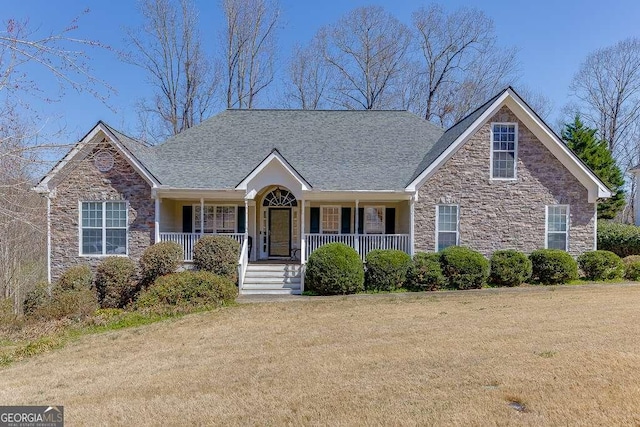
(274,156)
(362,195)
(198,193)
(451,150)
(43,186)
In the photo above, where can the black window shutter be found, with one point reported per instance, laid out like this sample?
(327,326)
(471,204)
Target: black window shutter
(345,227)
(360,220)
(314,226)
(187,219)
(241,224)
(390,221)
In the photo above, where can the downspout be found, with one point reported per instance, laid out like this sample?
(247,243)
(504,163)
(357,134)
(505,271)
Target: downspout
(48,196)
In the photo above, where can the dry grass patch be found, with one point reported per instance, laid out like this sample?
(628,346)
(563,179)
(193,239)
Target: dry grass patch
(529,356)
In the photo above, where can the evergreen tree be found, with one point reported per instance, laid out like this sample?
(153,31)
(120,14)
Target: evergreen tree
(595,153)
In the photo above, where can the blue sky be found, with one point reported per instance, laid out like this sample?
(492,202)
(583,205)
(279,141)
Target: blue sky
(553,38)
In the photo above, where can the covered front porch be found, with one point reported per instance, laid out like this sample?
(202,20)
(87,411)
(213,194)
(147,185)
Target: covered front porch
(277,226)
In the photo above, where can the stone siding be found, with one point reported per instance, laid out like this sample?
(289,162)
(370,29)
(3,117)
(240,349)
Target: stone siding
(82,181)
(504,214)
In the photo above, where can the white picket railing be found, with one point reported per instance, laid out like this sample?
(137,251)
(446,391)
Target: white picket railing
(362,243)
(188,241)
(243,262)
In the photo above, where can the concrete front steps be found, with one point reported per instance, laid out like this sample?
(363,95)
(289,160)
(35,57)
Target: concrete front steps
(272,279)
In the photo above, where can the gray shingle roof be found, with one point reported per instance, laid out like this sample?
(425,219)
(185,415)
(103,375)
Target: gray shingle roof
(332,150)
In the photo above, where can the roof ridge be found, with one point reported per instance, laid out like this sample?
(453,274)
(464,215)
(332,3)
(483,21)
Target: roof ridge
(144,143)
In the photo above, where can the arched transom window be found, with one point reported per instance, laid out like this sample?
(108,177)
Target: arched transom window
(279,197)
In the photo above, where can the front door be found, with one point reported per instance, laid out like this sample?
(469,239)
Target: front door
(279,232)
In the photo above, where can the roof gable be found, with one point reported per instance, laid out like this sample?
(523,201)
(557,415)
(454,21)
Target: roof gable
(458,134)
(105,134)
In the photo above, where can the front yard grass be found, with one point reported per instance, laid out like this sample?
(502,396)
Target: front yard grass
(558,355)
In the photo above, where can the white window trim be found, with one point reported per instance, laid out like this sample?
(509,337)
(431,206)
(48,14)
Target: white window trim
(438,224)
(339,207)
(195,225)
(546,226)
(515,152)
(104,229)
(384,219)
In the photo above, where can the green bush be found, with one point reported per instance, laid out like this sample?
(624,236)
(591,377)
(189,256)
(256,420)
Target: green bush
(553,266)
(601,265)
(75,304)
(35,298)
(75,278)
(425,273)
(188,289)
(509,268)
(386,269)
(115,282)
(464,268)
(333,269)
(160,259)
(621,239)
(632,267)
(217,254)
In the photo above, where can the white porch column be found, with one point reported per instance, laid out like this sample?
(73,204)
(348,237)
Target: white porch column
(303,241)
(246,222)
(201,216)
(156,224)
(412,224)
(355,228)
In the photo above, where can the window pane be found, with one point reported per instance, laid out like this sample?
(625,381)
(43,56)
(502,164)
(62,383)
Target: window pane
(92,214)
(503,164)
(557,241)
(116,241)
(91,241)
(557,218)
(447,218)
(225,219)
(446,239)
(116,214)
(331,220)
(504,146)
(374,220)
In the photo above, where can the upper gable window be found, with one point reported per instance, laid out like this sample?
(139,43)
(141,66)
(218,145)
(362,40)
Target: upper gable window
(504,145)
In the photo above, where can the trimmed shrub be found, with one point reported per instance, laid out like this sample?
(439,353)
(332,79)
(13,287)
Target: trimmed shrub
(621,239)
(75,278)
(632,267)
(74,304)
(425,273)
(115,282)
(35,298)
(553,266)
(188,289)
(218,255)
(464,268)
(601,265)
(509,268)
(160,259)
(386,269)
(334,269)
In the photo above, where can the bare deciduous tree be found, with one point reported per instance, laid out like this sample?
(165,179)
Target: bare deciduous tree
(462,63)
(608,86)
(64,58)
(368,50)
(167,46)
(250,49)
(309,77)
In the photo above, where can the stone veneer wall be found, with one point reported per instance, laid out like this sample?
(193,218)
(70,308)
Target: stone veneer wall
(82,181)
(504,214)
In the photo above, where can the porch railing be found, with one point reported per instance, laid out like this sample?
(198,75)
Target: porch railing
(243,262)
(362,243)
(188,241)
